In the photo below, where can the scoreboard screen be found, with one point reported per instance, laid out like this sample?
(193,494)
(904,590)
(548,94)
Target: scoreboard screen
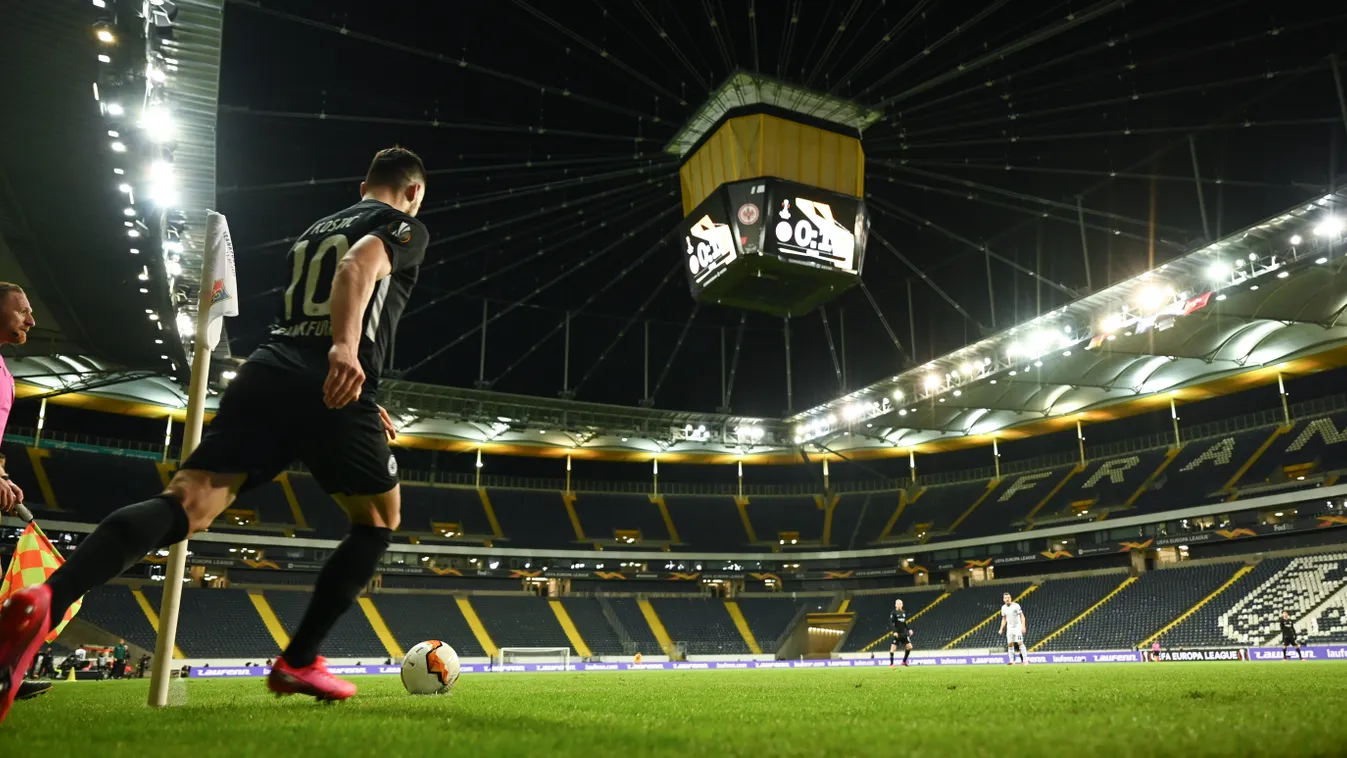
(809,225)
(772,245)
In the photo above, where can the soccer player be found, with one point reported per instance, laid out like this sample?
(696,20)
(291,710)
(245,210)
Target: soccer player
(306,393)
(1289,637)
(902,633)
(1013,624)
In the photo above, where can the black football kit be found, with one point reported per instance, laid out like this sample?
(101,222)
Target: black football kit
(272,413)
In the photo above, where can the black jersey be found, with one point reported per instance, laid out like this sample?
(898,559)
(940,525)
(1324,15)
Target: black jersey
(301,333)
(898,619)
(1288,628)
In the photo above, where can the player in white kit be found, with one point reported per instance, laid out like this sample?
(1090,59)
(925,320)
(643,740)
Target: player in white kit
(1012,625)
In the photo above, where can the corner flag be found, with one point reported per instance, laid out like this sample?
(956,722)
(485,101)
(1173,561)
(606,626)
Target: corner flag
(224,289)
(35,559)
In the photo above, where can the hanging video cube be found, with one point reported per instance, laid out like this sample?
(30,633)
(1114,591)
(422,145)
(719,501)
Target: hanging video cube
(774,246)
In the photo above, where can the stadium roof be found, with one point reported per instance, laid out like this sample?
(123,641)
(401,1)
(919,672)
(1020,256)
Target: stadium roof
(1022,158)
(1268,295)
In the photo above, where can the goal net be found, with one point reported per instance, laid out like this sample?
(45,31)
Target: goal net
(518,656)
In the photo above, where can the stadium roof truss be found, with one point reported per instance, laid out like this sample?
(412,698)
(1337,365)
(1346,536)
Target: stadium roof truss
(1269,294)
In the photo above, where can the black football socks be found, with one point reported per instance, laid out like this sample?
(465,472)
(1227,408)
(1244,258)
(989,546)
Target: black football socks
(118,543)
(890,657)
(339,584)
(906,653)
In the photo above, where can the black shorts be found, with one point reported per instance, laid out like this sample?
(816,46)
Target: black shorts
(901,641)
(270,417)
(1291,640)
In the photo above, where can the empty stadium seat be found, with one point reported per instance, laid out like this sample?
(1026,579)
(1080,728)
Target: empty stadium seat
(417,618)
(771,516)
(602,515)
(702,625)
(1015,496)
(1105,484)
(114,609)
(1203,628)
(961,613)
(533,517)
(520,621)
(219,623)
(1199,471)
(424,505)
(1302,585)
(847,516)
(628,613)
(93,485)
(707,523)
(931,512)
(351,637)
(769,618)
(1316,441)
(1057,602)
(1143,608)
(587,615)
(870,621)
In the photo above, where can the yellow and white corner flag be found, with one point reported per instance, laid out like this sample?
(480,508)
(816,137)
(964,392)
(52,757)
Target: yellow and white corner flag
(224,289)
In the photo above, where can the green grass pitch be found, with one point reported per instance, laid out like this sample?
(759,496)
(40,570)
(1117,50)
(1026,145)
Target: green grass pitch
(1189,710)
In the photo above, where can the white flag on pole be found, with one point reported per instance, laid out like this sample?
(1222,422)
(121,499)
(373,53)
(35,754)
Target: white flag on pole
(224,289)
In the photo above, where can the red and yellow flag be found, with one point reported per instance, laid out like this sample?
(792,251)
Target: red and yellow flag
(35,559)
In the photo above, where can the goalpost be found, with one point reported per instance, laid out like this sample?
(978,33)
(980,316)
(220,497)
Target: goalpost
(522,655)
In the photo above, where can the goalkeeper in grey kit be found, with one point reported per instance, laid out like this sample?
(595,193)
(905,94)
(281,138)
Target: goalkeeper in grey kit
(902,633)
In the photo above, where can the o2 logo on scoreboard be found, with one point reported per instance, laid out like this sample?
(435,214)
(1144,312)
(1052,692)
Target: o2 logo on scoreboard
(712,250)
(809,229)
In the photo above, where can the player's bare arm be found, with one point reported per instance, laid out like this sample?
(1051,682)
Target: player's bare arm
(352,286)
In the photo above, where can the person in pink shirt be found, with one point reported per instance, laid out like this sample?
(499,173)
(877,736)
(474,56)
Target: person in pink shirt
(16,318)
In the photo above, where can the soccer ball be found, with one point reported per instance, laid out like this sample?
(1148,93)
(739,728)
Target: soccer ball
(430,668)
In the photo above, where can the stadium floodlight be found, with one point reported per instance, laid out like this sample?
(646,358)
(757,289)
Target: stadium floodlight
(105,36)
(1331,226)
(158,123)
(898,395)
(1014,349)
(129,211)
(1043,341)
(186,327)
(1296,239)
(118,147)
(932,382)
(1152,298)
(1112,322)
(115,109)
(853,411)
(1321,261)
(164,194)
(1218,270)
(173,267)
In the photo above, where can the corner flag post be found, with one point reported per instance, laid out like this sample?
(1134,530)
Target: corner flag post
(218,297)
